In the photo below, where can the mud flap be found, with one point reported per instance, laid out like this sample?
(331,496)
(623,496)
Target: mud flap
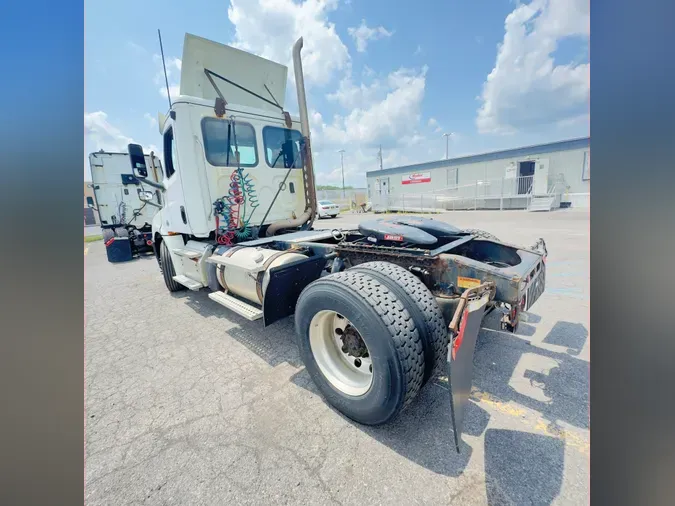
(459,362)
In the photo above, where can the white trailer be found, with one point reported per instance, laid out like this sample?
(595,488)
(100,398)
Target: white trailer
(126,205)
(379,310)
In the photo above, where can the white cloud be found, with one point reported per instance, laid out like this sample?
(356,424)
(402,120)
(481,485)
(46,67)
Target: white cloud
(173,68)
(174,90)
(151,120)
(269,28)
(418,50)
(350,95)
(101,134)
(367,71)
(362,34)
(383,121)
(526,88)
(386,112)
(137,48)
(433,123)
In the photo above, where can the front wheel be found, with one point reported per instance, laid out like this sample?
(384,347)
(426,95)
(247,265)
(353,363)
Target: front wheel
(360,346)
(168,271)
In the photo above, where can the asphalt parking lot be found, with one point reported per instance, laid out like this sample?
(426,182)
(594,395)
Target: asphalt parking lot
(187,403)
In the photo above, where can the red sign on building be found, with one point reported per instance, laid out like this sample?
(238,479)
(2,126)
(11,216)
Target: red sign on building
(418,177)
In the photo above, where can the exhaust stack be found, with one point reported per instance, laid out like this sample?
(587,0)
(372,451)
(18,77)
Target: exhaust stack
(308,169)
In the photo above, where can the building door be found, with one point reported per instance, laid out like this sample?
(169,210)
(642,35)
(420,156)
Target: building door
(525,176)
(380,199)
(541,178)
(89,218)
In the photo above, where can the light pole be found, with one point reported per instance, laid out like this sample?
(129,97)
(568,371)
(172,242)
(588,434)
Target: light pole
(342,164)
(447,137)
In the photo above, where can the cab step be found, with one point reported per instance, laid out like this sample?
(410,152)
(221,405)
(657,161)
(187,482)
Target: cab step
(188,282)
(240,307)
(187,253)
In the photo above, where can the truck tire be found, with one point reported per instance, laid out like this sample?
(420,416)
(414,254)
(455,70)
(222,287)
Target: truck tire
(168,272)
(421,305)
(347,321)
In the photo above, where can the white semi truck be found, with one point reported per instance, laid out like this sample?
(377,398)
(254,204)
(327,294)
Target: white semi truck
(379,310)
(124,204)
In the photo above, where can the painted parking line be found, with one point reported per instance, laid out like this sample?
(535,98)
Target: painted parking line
(86,250)
(573,439)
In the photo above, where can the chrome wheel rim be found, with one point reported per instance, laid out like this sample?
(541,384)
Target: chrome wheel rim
(348,371)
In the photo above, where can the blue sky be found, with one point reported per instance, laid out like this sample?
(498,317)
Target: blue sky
(495,73)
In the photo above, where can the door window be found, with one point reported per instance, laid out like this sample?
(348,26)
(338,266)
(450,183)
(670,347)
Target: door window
(223,138)
(282,147)
(169,152)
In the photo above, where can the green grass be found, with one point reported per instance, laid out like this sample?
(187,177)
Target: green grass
(93,238)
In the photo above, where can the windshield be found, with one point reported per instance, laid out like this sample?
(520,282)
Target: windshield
(282,147)
(325,202)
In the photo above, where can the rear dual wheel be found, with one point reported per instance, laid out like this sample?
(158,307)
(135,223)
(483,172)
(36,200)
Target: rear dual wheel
(360,345)
(422,306)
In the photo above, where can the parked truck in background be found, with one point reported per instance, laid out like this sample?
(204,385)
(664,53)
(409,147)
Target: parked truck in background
(380,309)
(125,205)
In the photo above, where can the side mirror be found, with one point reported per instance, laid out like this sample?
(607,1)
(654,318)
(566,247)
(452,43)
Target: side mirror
(137,160)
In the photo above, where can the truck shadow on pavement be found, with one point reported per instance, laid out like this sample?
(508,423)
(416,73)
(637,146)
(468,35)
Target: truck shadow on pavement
(554,384)
(520,466)
(274,344)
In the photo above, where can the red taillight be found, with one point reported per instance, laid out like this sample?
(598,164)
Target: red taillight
(109,242)
(148,242)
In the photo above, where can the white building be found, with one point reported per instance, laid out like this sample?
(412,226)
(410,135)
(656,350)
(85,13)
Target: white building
(539,177)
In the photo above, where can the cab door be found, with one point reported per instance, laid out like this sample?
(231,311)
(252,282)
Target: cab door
(174,213)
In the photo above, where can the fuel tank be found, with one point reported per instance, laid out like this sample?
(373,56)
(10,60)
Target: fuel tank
(244,271)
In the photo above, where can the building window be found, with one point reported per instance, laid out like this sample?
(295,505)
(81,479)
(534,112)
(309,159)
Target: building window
(90,201)
(282,147)
(219,143)
(452,177)
(586,171)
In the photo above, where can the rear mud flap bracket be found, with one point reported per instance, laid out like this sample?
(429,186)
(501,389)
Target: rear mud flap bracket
(459,362)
